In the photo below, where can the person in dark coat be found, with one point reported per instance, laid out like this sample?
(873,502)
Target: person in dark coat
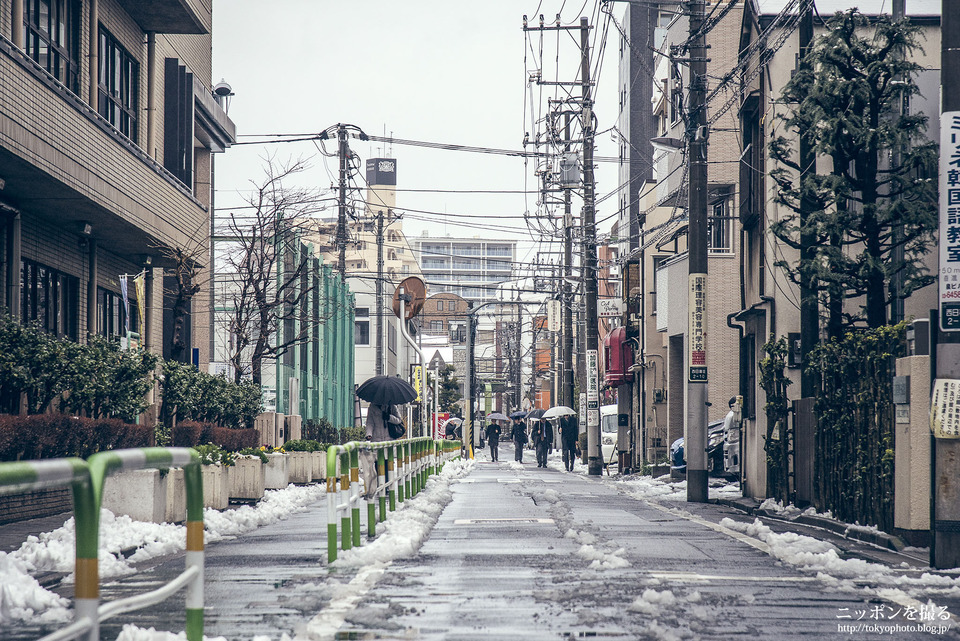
(542,441)
(569,431)
(493,437)
(519,435)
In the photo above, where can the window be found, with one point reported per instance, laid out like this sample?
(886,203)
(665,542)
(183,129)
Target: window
(52,29)
(49,298)
(119,83)
(111,314)
(436,326)
(718,229)
(361,326)
(439,305)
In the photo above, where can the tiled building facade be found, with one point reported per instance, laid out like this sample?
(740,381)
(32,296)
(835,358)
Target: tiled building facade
(108,124)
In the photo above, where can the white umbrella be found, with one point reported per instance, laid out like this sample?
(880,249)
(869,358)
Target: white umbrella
(455,421)
(558,411)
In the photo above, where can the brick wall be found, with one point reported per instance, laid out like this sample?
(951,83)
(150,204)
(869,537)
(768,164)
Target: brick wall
(33,505)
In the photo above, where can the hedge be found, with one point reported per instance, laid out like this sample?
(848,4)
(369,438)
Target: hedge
(191,433)
(57,435)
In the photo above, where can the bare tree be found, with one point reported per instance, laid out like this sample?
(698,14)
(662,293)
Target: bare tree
(265,267)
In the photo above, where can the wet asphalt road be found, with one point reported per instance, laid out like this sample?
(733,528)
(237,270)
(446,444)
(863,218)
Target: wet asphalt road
(510,558)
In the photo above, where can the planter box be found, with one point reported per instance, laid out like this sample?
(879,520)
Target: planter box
(139,494)
(301,467)
(216,486)
(246,477)
(176,510)
(319,460)
(276,472)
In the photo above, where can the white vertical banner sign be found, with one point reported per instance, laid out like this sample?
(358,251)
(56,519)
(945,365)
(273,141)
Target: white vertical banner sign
(697,302)
(593,388)
(949,288)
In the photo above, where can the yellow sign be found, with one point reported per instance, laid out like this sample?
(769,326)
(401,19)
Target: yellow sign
(417,376)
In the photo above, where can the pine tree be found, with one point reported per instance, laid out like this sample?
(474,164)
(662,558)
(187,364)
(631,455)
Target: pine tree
(879,193)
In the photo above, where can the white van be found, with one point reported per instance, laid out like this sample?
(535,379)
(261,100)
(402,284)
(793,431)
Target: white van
(608,433)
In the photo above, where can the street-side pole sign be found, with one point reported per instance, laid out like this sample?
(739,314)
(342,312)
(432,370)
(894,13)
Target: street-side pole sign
(593,388)
(697,304)
(949,281)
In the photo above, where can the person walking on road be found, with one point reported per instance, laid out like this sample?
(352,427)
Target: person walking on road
(542,441)
(493,437)
(568,440)
(519,435)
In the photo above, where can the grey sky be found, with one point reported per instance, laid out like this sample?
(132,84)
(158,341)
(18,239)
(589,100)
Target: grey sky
(425,70)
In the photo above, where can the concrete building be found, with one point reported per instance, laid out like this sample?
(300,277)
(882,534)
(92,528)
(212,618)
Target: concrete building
(769,305)
(655,259)
(472,268)
(108,128)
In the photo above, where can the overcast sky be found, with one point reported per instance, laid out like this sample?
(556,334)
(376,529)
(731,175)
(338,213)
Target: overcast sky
(426,70)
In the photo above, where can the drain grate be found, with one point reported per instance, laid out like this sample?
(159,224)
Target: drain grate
(499,521)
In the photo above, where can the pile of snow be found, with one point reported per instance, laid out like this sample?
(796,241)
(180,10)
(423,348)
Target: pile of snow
(131,632)
(405,530)
(819,557)
(22,598)
(651,601)
(599,558)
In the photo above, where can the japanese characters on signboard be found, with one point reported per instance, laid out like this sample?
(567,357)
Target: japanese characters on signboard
(945,408)
(593,388)
(696,329)
(949,294)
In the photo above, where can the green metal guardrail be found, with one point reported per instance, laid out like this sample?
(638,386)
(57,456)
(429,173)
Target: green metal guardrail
(403,467)
(87,479)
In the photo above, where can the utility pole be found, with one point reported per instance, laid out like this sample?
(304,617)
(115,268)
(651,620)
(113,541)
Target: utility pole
(379,295)
(945,520)
(567,277)
(594,457)
(809,316)
(343,152)
(896,281)
(518,397)
(695,446)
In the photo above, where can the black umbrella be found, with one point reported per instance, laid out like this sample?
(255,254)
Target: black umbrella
(386,390)
(535,415)
(518,414)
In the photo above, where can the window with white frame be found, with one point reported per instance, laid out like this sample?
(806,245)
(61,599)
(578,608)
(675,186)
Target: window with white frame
(719,229)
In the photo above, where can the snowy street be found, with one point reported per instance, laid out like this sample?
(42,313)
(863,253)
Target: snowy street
(505,551)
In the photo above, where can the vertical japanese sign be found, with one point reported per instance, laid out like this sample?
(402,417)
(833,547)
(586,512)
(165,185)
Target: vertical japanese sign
(593,388)
(945,408)
(697,345)
(417,381)
(949,221)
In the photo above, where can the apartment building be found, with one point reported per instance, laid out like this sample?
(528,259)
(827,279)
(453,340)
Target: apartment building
(108,128)
(472,268)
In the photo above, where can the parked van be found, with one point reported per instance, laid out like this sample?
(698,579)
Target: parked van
(608,433)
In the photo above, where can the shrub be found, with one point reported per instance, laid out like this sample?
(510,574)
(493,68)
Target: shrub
(254,451)
(211,454)
(57,435)
(304,445)
(190,434)
(186,434)
(191,395)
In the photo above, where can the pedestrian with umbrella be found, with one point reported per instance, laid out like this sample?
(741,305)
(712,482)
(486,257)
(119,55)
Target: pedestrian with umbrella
(569,431)
(518,432)
(383,393)
(493,437)
(546,436)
